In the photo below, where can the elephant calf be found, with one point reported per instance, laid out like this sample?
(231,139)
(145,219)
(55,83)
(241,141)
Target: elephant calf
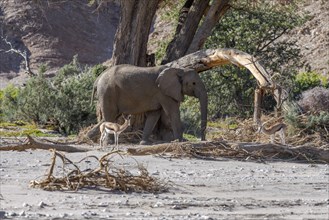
(127,89)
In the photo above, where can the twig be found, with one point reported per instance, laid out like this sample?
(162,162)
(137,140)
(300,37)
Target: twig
(51,170)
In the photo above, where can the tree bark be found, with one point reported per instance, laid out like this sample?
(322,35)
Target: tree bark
(131,38)
(257,103)
(185,32)
(217,10)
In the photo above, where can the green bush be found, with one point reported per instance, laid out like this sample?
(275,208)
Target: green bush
(253,30)
(72,109)
(308,80)
(9,103)
(36,101)
(97,70)
(191,115)
(63,101)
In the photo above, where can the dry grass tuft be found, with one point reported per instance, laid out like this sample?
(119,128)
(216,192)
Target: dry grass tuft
(105,175)
(246,132)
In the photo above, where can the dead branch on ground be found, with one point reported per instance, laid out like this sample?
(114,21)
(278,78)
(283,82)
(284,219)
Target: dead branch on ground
(31,143)
(244,151)
(105,175)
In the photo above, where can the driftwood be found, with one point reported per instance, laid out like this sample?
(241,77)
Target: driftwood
(104,175)
(213,149)
(30,143)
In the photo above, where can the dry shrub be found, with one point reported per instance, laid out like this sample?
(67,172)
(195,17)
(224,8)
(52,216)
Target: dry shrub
(302,129)
(315,100)
(105,175)
(309,129)
(246,131)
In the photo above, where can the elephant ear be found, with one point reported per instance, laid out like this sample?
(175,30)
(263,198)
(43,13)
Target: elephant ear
(169,82)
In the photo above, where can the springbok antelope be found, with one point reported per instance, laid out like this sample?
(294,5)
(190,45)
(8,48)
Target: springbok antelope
(278,127)
(113,128)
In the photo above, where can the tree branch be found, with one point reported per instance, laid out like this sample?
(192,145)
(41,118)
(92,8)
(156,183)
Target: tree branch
(259,49)
(185,32)
(22,54)
(203,60)
(217,10)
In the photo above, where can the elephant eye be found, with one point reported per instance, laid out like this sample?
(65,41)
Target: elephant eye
(194,83)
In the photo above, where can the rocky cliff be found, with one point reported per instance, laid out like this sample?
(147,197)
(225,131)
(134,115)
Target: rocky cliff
(53,31)
(313,36)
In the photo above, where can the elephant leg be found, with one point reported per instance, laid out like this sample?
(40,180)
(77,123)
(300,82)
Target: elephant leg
(151,120)
(165,130)
(177,126)
(109,112)
(171,108)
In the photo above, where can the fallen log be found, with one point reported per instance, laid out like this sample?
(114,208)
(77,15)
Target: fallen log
(203,60)
(211,149)
(30,143)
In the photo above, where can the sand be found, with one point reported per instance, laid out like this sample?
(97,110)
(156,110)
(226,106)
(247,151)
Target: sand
(198,189)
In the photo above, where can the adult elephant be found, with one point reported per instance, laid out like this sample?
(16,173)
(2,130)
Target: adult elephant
(127,89)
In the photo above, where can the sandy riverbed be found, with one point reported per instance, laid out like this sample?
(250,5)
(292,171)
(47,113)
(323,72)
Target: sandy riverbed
(200,189)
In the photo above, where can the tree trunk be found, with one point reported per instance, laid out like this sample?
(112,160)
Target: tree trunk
(131,38)
(185,32)
(257,105)
(215,13)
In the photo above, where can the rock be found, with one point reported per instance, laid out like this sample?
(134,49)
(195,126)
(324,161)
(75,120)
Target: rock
(26,205)
(11,214)
(22,213)
(42,204)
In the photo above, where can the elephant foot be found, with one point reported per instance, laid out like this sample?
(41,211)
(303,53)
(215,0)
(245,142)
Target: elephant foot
(145,142)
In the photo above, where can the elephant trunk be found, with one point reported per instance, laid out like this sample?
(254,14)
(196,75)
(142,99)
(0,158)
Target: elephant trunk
(201,94)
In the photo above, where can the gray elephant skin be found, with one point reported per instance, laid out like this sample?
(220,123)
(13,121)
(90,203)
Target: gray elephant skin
(127,89)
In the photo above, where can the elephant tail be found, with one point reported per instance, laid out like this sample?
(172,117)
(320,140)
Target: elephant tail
(93,92)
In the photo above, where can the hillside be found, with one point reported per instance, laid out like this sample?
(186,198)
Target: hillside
(313,37)
(54,31)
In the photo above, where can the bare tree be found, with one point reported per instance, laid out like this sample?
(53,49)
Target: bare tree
(191,34)
(131,38)
(20,53)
